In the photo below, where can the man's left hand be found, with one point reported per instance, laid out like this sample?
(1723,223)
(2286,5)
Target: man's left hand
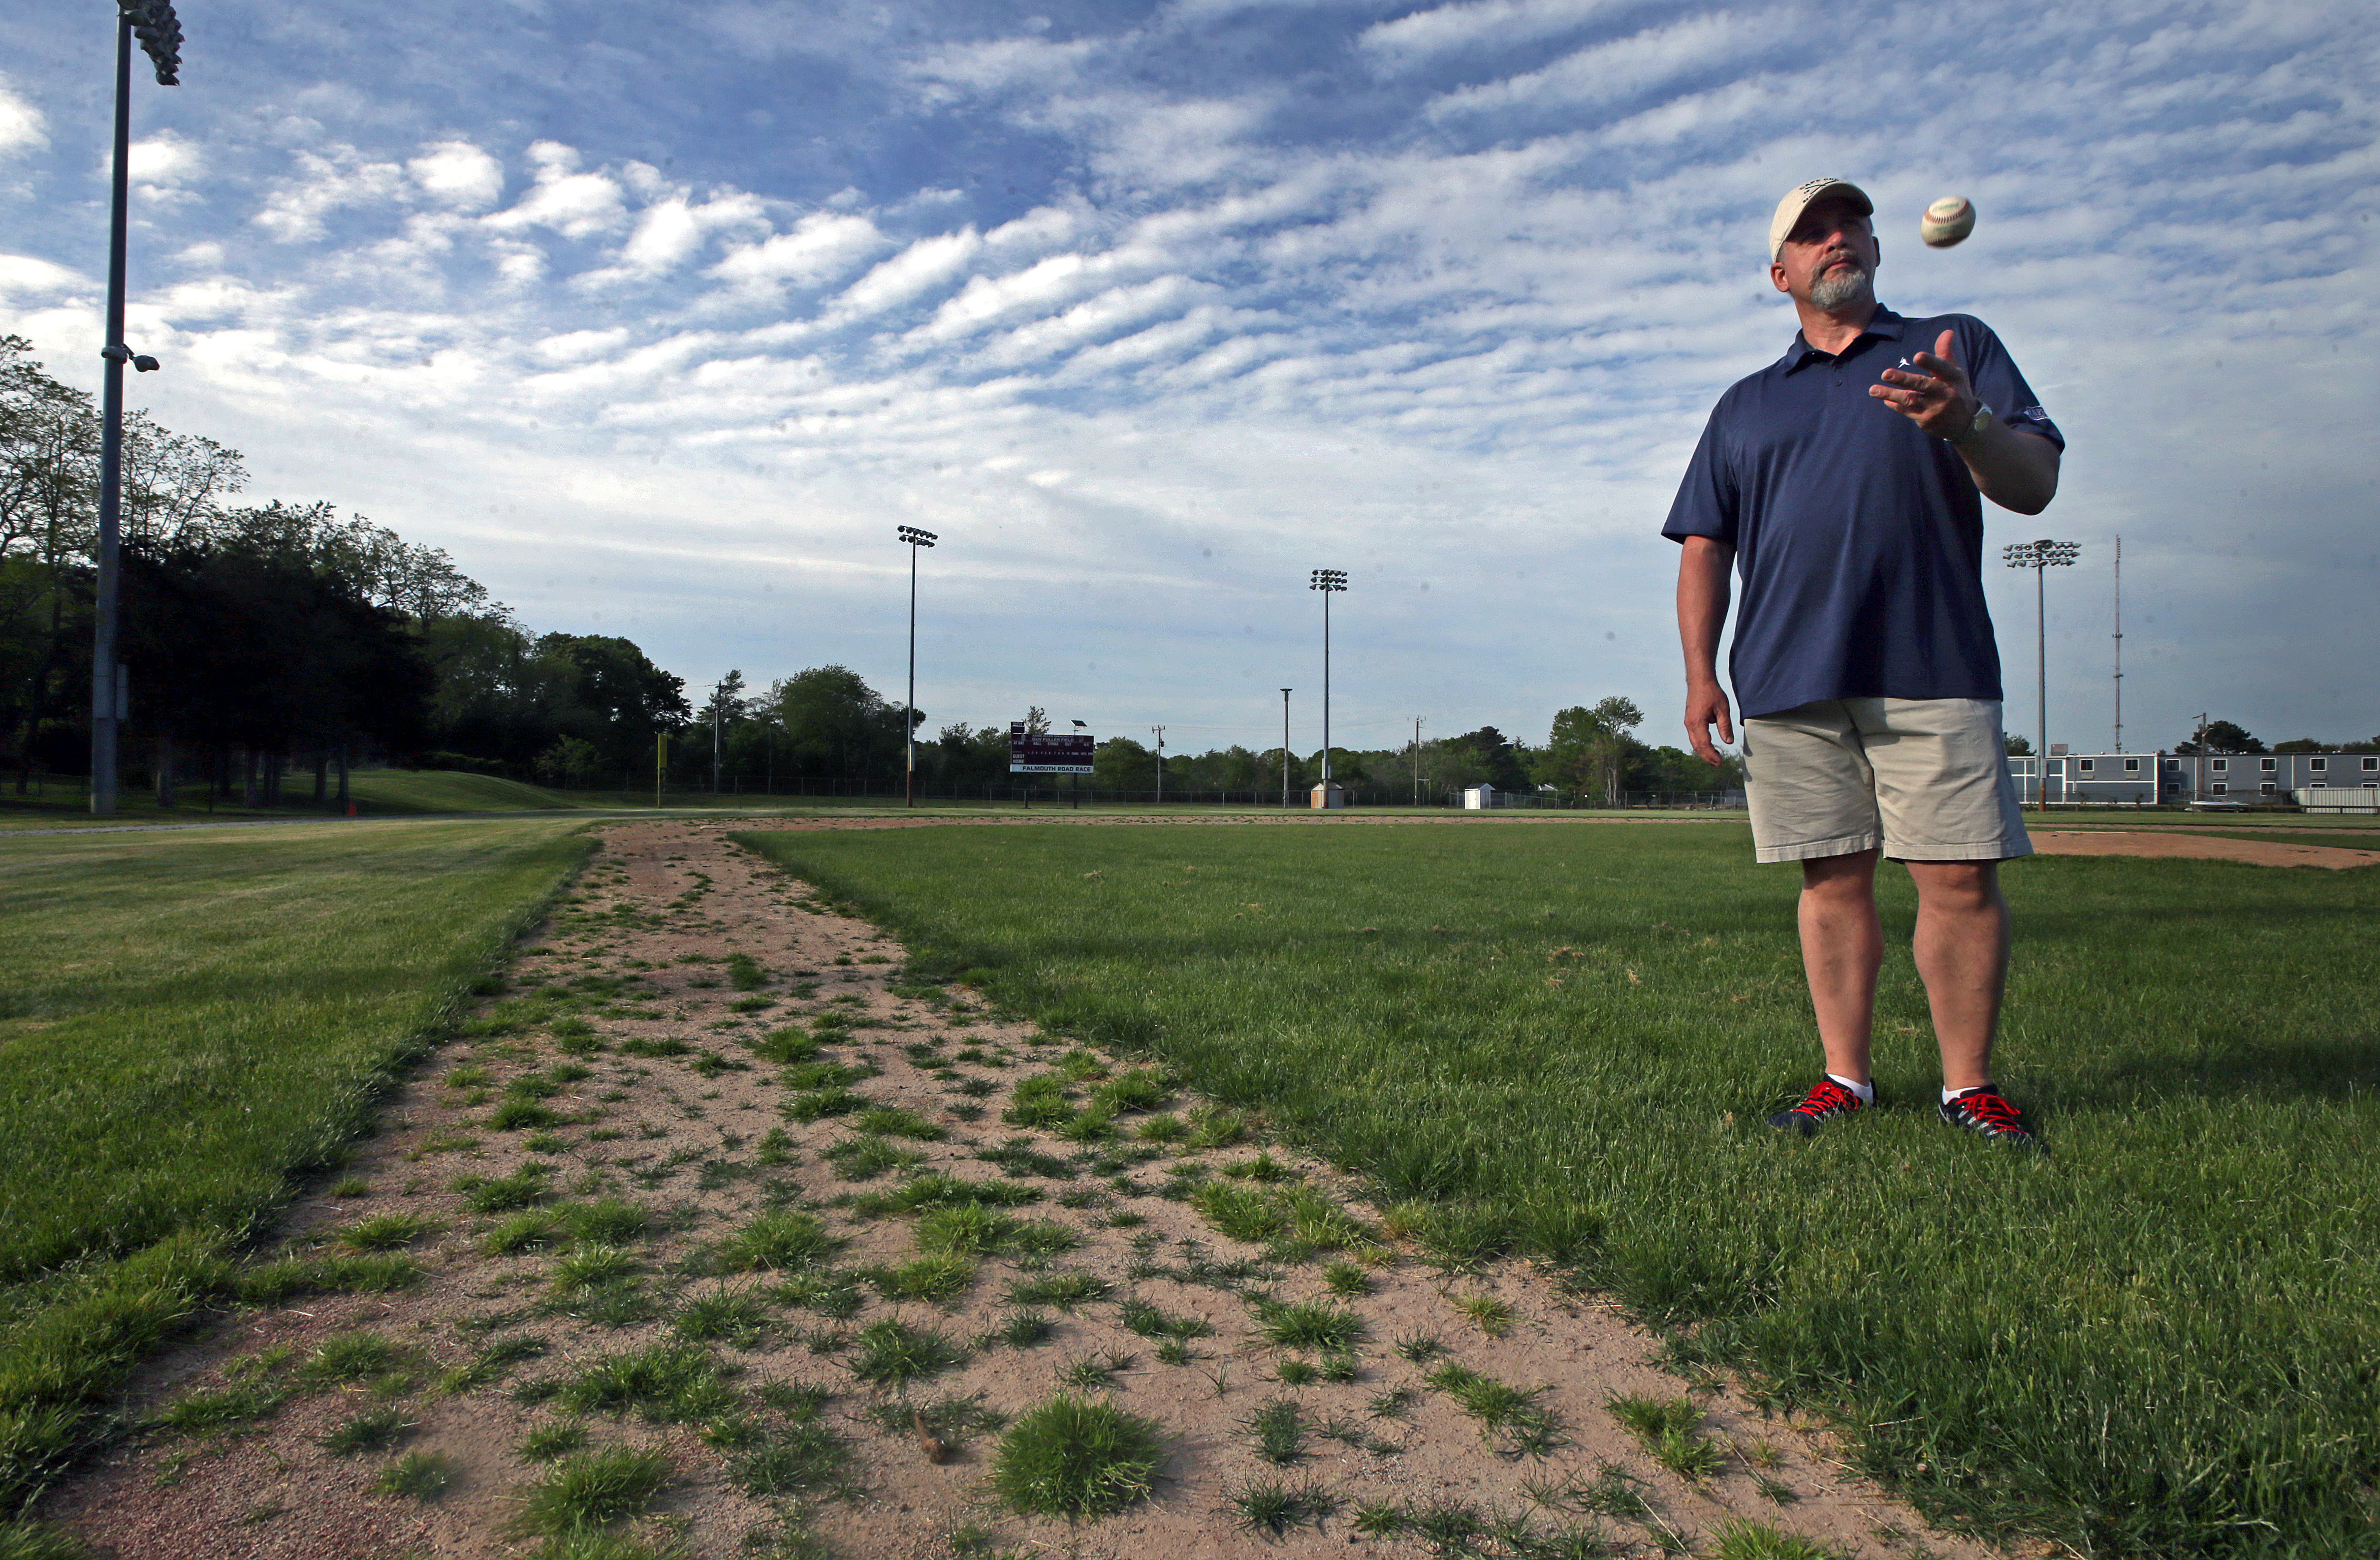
(1938,400)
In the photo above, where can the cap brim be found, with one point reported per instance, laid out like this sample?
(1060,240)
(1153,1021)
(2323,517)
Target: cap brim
(1801,198)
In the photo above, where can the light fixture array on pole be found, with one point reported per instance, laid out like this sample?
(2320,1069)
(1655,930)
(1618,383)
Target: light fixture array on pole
(913,538)
(1329,581)
(159,34)
(2040,556)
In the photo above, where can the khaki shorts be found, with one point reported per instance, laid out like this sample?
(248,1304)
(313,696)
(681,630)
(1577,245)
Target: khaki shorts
(1925,779)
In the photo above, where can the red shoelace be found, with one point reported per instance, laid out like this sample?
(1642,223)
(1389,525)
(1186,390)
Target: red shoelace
(1987,1107)
(1828,1098)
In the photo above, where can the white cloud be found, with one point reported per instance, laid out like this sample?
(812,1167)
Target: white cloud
(325,182)
(573,204)
(458,175)
(22,127)
(673,230)
(26,274)
(577,346)
(920,268)
(161,164)
(1477,24)
(818,248)
(1636,64)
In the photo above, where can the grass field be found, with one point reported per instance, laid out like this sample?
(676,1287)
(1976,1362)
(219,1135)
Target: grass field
(187,1019)
(448,791)
(2161,1340)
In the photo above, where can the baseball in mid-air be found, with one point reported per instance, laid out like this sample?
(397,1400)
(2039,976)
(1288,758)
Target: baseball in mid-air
(1947,220)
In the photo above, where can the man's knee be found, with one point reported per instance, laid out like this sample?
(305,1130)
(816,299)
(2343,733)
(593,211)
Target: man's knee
(1848,876)
(1957,885)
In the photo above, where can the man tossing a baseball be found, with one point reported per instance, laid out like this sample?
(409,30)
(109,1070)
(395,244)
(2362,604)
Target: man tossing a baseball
(1842,483)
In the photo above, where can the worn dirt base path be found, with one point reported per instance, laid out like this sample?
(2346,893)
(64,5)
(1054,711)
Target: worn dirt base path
(655,1200)
(2197,847)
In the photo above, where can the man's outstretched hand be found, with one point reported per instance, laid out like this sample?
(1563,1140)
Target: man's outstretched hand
(1705,708)
(1938,399)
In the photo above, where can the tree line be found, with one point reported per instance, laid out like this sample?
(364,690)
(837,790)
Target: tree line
(259,638)
(256,637)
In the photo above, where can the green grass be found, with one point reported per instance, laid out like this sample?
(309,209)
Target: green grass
(187,1019)
(1076,1457)
(1565,1032)
(448,790)
(592,1491)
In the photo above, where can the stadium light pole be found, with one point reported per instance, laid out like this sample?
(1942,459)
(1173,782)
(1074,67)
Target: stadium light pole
(1329,581)
(2040,556)
(1160,764)
(913,538)
(160,32)
(1418,720)
(1284,747)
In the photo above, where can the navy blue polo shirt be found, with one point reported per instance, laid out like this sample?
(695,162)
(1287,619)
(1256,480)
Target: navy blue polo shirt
(1859,537)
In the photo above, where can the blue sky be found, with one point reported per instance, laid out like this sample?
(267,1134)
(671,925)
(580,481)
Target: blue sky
(660,319)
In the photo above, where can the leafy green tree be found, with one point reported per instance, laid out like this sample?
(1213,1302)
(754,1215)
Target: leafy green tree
(570,761)
(2016,746)
(2222,736)
(1122,764)
(609,695)
(835,725)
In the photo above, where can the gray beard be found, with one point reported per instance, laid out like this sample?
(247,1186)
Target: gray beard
(1836,291)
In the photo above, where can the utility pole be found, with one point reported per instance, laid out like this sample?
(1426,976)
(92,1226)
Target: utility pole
(2120,643)
(1284,747)
(1160,764)
(1417,719)
(714,742)
(660,764)
(153,22)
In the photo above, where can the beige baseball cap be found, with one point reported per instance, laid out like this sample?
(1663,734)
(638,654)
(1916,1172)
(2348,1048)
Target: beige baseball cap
(1799,200)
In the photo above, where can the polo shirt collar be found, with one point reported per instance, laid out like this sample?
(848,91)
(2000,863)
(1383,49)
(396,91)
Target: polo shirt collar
(1883,323)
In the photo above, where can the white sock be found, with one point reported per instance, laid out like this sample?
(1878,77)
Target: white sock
(1866,1092)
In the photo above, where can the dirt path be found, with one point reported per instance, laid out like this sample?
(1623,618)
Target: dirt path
(2197,847)
(655,1199)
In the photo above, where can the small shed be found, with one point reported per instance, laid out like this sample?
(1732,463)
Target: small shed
(1479,798)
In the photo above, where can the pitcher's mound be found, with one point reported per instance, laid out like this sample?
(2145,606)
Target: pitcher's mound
(2197,847)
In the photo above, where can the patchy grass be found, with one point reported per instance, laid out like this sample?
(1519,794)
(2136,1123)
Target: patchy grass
(118,1009)
(1565,1032)
(592,1491)
(892,1353)
(1076,1457)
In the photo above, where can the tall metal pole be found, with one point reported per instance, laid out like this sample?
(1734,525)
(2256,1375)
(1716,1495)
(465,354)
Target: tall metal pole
(1160,764)
(103,678)
(2040,557)
(2120,643)
(1284,747)
(1417,719)
(913,538)
(909,709)
(2041,676)
(714,740)
(1326,697)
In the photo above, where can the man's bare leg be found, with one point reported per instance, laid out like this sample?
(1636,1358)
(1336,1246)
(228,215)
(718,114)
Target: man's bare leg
(1842,945)
(1962,956)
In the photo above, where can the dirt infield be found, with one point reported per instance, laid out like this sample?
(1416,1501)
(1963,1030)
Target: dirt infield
(2197,847)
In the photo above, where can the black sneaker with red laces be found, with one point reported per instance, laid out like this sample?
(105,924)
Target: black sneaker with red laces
(1986,1112)
(1826,1101)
